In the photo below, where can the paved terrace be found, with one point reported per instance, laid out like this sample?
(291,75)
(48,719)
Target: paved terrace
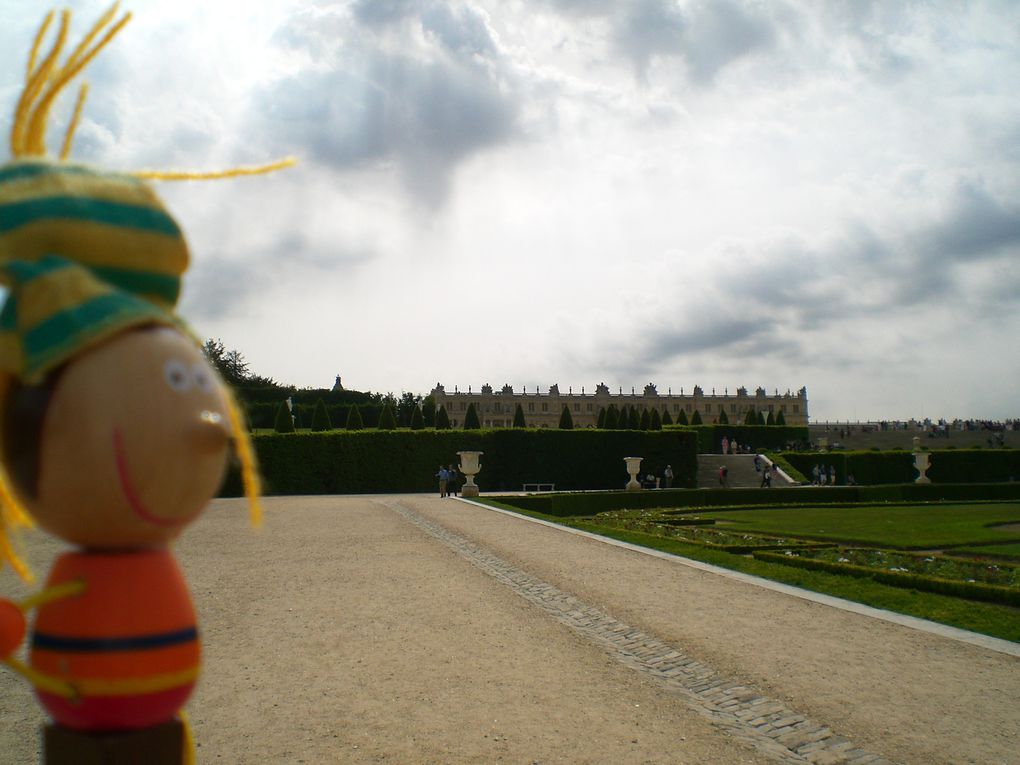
(413,629)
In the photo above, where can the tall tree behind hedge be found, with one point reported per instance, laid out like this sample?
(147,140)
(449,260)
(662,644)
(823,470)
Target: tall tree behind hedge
(751,418)
(681,419)
(780,418)
(566,420)
(417,419)
(633,418)
(428,411)
(354,420)
(471,418)
(519,417)
(601,422)
(645,423)
(284,422)
(654,421)
(442,419)
(770,420)
(320,417)
(666,418)
(723,419)
(612,418)
(696,418)
(387,420)
(624,422)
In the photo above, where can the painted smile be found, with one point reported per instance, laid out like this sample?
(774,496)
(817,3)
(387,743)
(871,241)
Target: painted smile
(131,494)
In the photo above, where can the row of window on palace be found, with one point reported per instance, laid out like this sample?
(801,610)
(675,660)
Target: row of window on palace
(498,407)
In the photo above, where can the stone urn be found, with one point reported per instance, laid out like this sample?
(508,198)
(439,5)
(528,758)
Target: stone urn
(469,466)
(922,461)
(633,469)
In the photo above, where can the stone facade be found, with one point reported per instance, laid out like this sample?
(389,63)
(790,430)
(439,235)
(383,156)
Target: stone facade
(542,410)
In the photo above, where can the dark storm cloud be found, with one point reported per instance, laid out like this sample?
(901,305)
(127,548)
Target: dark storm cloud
(423,109)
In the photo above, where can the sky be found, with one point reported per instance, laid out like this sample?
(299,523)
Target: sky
(720,193)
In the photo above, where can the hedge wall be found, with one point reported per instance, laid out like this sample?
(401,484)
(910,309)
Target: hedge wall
(342,462)
(577,505)
(947,466)
(759,437)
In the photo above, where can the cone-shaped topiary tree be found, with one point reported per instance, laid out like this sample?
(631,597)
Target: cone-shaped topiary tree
(696,418)
(751,418)
(770,420)
(284,422)
(417,418)
(723,419)
(612,418)
(681,419)
(320,418)
(666,418)
(645,421)
(761,418)
(471,418)
(354,420)
(519,417)
(566,421)
(601,423)
(442,419)
(780,418)
(387,420)
(633,418)
(654,421)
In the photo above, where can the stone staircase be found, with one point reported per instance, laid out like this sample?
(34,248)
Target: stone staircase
(741,471)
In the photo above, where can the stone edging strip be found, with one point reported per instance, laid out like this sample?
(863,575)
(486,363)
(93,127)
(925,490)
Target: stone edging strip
(943,630)
(771,727)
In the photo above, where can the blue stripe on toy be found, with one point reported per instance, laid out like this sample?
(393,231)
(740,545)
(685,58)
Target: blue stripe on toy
(46,642)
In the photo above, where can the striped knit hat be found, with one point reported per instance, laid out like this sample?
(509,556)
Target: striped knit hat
(85,254)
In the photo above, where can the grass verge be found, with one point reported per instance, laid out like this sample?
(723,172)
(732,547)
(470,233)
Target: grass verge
(985,618)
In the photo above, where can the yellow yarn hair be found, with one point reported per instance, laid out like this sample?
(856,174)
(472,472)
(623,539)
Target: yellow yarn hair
(246,456)
(45,79)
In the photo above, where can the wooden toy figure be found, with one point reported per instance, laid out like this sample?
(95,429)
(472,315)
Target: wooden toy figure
(114,434)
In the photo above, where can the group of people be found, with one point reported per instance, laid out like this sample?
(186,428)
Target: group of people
(822,476)
(449,481)
(732,447)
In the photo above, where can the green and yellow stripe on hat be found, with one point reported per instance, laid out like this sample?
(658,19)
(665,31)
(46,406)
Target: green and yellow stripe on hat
(112,223)
(56,309)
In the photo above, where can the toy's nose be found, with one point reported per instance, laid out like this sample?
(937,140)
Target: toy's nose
(211,432)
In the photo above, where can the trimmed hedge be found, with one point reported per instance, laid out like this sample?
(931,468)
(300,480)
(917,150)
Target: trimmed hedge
(947,466)
(973,590)
(353,462)
(583,505)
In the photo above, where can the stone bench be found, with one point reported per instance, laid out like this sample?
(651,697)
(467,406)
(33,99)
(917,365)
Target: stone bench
(538,487)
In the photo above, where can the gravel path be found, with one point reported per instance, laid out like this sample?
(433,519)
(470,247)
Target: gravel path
(351,629)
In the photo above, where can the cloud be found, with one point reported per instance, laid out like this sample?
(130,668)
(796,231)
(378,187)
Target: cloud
(424,105)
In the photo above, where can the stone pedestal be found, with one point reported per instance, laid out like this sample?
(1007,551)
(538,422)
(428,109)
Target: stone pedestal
(633,469)
(922,461)
(469,466)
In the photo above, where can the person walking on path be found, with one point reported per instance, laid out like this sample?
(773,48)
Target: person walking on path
(668,475)
(766,478)
(723,476)
(757,463)
(815,473)
(443,475)
(725,445)
(452,479)
(832,475)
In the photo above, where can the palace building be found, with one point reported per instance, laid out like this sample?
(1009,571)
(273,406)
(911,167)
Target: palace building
(542,410)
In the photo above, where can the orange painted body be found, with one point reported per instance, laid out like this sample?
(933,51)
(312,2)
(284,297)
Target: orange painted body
(128,643)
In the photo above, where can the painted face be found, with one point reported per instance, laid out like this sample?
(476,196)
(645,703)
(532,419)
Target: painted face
(134,443)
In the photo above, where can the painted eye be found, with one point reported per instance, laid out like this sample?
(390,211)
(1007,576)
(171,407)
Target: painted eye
(203,378)
(176,375)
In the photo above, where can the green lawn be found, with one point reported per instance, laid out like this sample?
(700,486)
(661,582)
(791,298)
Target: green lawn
(987,618)
(898,526)
(1001,551)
